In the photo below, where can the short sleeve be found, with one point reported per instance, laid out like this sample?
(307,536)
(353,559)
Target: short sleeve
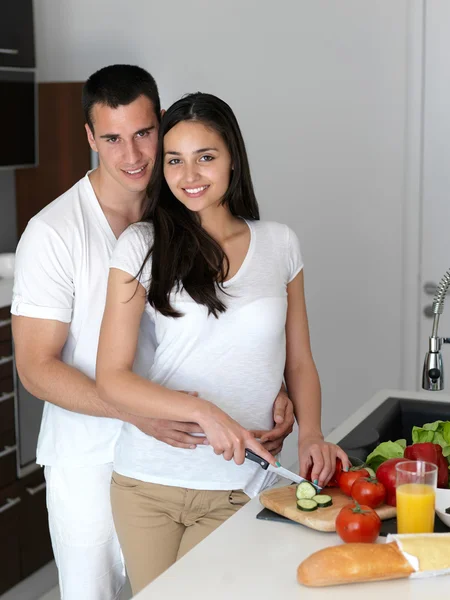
(294,255)
(131,251)
(43,275)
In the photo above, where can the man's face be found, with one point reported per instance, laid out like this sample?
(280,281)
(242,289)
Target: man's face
(125,139)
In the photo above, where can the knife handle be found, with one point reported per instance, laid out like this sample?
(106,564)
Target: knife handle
(257,459)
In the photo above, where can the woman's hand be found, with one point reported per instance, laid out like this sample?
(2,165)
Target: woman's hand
(227,437)
(314,452)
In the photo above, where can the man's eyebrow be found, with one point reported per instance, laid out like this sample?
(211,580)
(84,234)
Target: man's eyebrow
(199,151)
(117,135)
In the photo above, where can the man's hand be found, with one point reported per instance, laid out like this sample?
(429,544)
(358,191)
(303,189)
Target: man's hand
(174,433)
(283,416)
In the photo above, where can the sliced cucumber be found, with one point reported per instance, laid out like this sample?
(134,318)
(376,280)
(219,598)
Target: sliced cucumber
(305,490)
(307,504)
(323,500)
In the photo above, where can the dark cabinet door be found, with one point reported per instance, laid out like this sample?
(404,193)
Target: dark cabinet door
(35,544)
(10,515)
(64,153)
(17,34)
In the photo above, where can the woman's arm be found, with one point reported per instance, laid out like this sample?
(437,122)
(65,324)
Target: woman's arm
(127,391)
(303,385)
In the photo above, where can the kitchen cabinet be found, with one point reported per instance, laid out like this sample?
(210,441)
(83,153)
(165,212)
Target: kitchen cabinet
(64,153)
(25,544)
(17,34)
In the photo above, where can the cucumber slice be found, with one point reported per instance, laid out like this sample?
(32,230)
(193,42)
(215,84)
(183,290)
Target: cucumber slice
(307,505)
(305,490)
(323,500)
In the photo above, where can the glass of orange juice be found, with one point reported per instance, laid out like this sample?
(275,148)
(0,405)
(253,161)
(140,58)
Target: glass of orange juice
(416,493)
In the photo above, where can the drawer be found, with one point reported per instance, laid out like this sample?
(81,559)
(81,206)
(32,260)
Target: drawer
(5,325)
(8,467)
(10,517)
(6,375)
(6,412)
(6,348)
(6,366)
(5,331)
(7,439)
(35,543)
(5,313)
(6,385)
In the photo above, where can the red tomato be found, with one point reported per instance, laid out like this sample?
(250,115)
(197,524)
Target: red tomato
(368,491)
(358,524)
(387,476)
(334,481)
(348,478)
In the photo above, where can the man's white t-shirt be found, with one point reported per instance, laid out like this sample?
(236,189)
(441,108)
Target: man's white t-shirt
(236,361)
(61,273)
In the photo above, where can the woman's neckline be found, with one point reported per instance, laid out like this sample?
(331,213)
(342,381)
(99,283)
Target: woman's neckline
(247,257)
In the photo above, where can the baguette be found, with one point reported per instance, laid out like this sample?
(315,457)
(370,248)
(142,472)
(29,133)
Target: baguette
(353,563)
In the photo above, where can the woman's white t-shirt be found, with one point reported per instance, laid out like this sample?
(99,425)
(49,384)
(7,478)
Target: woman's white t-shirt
(235,361)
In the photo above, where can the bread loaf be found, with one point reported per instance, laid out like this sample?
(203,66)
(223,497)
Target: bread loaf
(353,563)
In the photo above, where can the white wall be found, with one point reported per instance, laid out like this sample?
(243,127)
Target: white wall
(320,88)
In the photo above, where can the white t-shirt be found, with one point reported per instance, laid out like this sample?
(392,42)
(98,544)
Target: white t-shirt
(61,273)
(236,361)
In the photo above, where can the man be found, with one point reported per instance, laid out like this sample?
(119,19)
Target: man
(58,301)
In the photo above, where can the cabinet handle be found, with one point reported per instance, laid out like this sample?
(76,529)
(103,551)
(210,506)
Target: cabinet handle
(6,396)
(8,450)
(5,359)
(10,502)
(37,489)
(5,322)
(9,51)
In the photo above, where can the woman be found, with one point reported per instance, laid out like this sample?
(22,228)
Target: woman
(225,292)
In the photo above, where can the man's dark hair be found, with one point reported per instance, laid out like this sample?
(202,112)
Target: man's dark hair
(118,85)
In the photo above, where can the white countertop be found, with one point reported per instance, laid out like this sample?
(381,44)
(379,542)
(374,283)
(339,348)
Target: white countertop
(6,287)
(246,558)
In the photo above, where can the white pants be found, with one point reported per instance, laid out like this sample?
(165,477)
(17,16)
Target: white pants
(87,552)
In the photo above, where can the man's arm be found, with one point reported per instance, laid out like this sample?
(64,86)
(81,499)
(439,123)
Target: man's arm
(38,345)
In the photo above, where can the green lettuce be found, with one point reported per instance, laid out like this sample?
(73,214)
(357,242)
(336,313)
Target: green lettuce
(436,433)
(385,451)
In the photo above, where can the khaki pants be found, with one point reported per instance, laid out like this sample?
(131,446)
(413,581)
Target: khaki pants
(157,524)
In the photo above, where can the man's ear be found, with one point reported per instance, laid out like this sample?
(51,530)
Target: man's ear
(90,137)
(163,110)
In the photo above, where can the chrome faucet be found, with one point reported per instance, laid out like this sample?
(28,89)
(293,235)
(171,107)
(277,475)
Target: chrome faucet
(433,368)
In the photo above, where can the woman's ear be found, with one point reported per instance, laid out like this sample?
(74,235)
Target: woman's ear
(163,110)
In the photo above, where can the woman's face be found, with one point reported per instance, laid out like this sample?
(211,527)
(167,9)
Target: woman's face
(197,165)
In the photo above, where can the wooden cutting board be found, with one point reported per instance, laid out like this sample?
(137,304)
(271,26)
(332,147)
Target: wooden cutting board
(282,501)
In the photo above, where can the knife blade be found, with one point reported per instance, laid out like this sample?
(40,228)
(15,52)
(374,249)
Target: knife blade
(278,470)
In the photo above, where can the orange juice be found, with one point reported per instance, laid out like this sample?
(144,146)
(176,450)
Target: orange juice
(415,508)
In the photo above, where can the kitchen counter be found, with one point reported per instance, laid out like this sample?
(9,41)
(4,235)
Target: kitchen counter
(6,287)
(247,558)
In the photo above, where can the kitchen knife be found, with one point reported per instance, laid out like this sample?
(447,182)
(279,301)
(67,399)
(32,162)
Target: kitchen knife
(278,470)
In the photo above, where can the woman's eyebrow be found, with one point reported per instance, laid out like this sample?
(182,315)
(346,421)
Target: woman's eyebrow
(199,151)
